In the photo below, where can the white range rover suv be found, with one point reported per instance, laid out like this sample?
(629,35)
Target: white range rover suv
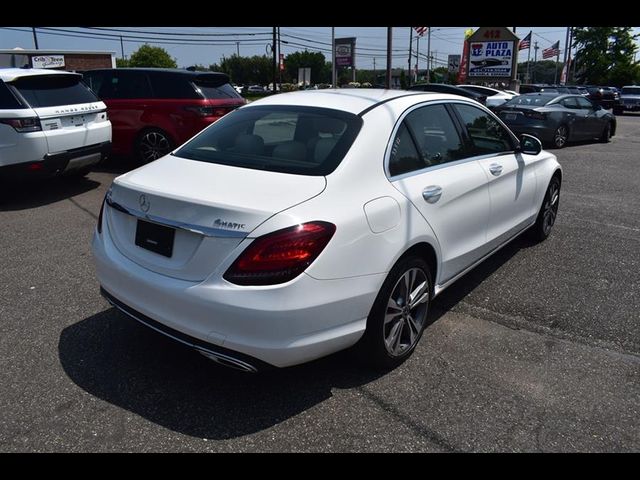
(50,123)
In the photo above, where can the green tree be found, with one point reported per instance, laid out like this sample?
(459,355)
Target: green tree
(122,63)
(605,55)
(314,60)
(247,70)
(543,71)
(148,56)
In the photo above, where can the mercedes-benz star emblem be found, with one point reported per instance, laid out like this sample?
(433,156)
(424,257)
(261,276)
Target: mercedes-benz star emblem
(144,202)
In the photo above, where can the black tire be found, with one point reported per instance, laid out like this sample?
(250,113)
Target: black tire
(548,211)
(606,133)
(152,144)
(560,136)
(384,319)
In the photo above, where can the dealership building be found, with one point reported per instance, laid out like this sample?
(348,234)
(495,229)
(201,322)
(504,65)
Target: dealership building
(70,60)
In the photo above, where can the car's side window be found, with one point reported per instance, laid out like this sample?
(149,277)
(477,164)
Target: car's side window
(404,156)
(570,102)
(128,85)
(436,136)
(486,134)
(585,103)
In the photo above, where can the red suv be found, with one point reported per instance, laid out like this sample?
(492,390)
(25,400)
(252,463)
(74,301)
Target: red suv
(153,110)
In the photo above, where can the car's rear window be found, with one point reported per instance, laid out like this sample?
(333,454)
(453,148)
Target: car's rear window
(54,90)
(288,139)
(631,90)
(532,99)
(7,99)
(214,91)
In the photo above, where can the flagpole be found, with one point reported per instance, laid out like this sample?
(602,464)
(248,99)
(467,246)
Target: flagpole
(555,75)
(529,56)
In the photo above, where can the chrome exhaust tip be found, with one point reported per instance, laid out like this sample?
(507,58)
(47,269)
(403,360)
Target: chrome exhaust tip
(228,362)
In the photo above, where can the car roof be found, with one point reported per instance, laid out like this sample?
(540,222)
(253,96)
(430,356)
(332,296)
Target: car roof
(11,74)
(352,100)
(178,71)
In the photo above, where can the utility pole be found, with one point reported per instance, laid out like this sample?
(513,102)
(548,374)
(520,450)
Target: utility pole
(375,77)
(275,60)
(35,37)
(122,47)
(417,57)
(333,57)
(387,81)
(279,55)
(410,41)
(535,58)
(429,55)
(238,49)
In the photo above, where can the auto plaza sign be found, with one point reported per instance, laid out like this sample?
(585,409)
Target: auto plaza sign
(492,53)
(491,59)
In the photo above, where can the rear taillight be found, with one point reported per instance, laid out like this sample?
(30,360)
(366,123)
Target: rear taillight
(535,115)
(209,111)
(22,125)
(280,256)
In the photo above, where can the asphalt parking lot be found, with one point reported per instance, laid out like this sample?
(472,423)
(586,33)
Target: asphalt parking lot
(537,349)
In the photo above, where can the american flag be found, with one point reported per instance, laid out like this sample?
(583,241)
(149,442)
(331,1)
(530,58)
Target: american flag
(421,30)
(525,42)
(552,51)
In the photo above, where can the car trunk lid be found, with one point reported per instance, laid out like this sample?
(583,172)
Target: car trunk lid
(208,210)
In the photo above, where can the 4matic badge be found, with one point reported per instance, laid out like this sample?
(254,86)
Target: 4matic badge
(229,225)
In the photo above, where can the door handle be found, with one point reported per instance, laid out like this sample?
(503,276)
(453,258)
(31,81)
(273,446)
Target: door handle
(495,169)
(432,193)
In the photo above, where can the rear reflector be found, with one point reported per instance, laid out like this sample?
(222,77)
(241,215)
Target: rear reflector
(280,256)
(34,167)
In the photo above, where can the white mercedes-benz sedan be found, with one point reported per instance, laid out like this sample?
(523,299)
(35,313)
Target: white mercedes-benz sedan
(308,222)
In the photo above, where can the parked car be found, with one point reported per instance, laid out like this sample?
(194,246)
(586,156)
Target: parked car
(603,96)
(629,100)
(307,222)
(50,123)
(155,109)
(494,97)
(536,87)
(451,89)
(557,119)
(256,89)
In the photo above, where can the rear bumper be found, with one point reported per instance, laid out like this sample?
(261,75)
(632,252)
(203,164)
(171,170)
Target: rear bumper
(58,163)
(280,325)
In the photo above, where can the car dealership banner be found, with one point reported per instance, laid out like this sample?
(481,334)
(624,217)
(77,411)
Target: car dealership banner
(491,59)
(346,52)
(47,61)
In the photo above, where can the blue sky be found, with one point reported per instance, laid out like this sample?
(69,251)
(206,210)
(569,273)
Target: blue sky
(370,43)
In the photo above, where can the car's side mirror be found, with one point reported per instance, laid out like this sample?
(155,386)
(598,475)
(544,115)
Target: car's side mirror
(530,144)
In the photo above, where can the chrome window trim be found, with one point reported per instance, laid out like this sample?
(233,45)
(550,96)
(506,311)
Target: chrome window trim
(189,227)
(394,132)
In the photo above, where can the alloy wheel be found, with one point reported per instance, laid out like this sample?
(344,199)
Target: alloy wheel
(406,312)
(560,136)
(153,145)
(550,207)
